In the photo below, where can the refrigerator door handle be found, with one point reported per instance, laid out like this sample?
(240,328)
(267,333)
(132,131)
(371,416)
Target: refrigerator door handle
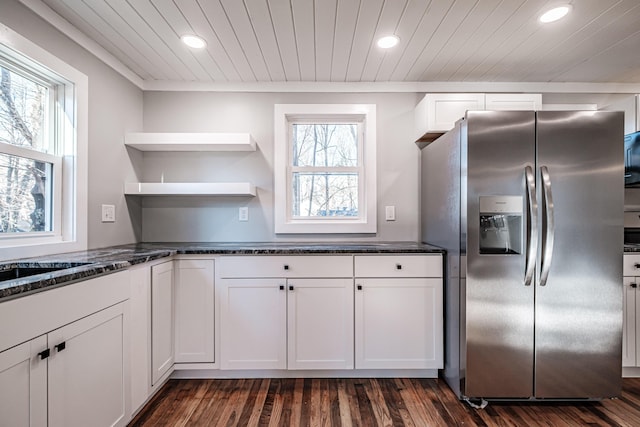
(548,226)
(532,229)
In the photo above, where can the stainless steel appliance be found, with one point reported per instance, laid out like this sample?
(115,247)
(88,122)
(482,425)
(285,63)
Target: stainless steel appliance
(529,206)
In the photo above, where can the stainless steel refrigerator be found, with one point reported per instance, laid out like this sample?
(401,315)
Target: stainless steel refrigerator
(529,206)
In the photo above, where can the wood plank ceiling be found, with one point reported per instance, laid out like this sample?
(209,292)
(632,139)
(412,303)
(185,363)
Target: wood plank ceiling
(334,40)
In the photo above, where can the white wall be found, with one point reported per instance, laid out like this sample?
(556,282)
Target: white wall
(115,106)
(216,218)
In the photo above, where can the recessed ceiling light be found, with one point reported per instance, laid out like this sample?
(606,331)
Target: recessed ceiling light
(554,14)
(387,42)
(193,41)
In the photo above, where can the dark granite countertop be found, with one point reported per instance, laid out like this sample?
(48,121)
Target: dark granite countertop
(77,266)
(631,247)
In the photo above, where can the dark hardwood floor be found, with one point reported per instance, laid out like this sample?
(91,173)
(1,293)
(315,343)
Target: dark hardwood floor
(364,402)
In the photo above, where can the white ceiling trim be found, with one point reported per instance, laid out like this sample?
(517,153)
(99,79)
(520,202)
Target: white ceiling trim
(49,15)
(399,87)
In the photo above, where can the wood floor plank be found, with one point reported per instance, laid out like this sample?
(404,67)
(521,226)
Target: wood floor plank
(365,403)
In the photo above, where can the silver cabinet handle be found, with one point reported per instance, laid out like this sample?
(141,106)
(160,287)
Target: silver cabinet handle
(548,224)
(532,229)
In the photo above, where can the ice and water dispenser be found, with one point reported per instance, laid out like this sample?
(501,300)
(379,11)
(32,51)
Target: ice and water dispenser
(500,225)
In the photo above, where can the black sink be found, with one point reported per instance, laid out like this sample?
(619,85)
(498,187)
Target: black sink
(18,272)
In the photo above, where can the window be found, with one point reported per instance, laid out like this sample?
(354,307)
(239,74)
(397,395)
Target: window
(42,151)
(29,168)
(325,168)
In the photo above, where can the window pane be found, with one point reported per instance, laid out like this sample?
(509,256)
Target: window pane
(25,194)
(325,144)
(325,194)
(23,111)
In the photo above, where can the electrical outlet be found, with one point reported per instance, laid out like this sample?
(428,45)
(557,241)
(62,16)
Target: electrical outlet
(243,214)
(390,213)
(108,213)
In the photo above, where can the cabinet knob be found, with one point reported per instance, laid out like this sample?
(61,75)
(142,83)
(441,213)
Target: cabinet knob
(282,287)
(290,287)
(61,346)
(359,287)
(636,265)
(398,266)
(286,266)
(44,354)
(633,285)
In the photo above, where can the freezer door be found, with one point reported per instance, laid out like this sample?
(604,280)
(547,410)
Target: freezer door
(499,304)
(579,293)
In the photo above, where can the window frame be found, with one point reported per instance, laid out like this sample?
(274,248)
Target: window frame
(285,115)
(68,116)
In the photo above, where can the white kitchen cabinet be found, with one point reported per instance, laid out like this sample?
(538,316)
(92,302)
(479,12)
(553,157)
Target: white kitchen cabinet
(140,335)
(320,323)
(64,355)
(88,380)
(279,312)
(73,376)
(438,112)
(23,385)
(399,314)
(253,317)
(162,320)
(513,101)
(194,311)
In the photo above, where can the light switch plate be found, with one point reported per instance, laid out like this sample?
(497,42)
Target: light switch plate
(243,214)
(390,213)
(108,213)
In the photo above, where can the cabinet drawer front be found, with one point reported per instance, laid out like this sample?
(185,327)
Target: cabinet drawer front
(629,265)
(286,266)
(398,266)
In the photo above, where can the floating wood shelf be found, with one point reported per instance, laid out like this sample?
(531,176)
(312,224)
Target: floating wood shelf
(213,141)
(189,189)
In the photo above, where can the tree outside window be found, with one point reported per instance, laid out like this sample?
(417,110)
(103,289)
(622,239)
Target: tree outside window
(25,177)
(325,168)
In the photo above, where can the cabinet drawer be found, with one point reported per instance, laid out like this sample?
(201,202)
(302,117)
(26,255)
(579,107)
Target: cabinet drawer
(398,266)
(286,266)
(629,265)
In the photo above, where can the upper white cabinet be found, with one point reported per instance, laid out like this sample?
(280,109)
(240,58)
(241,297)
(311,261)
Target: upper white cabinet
(437,113)
(149,141)
(193,142)
(513,101)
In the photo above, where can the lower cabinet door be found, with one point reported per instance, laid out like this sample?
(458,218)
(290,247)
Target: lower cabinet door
(23,385)
(194,289)
(398,323)
(87,368)
(253,324)
(162,315)
(320,323)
